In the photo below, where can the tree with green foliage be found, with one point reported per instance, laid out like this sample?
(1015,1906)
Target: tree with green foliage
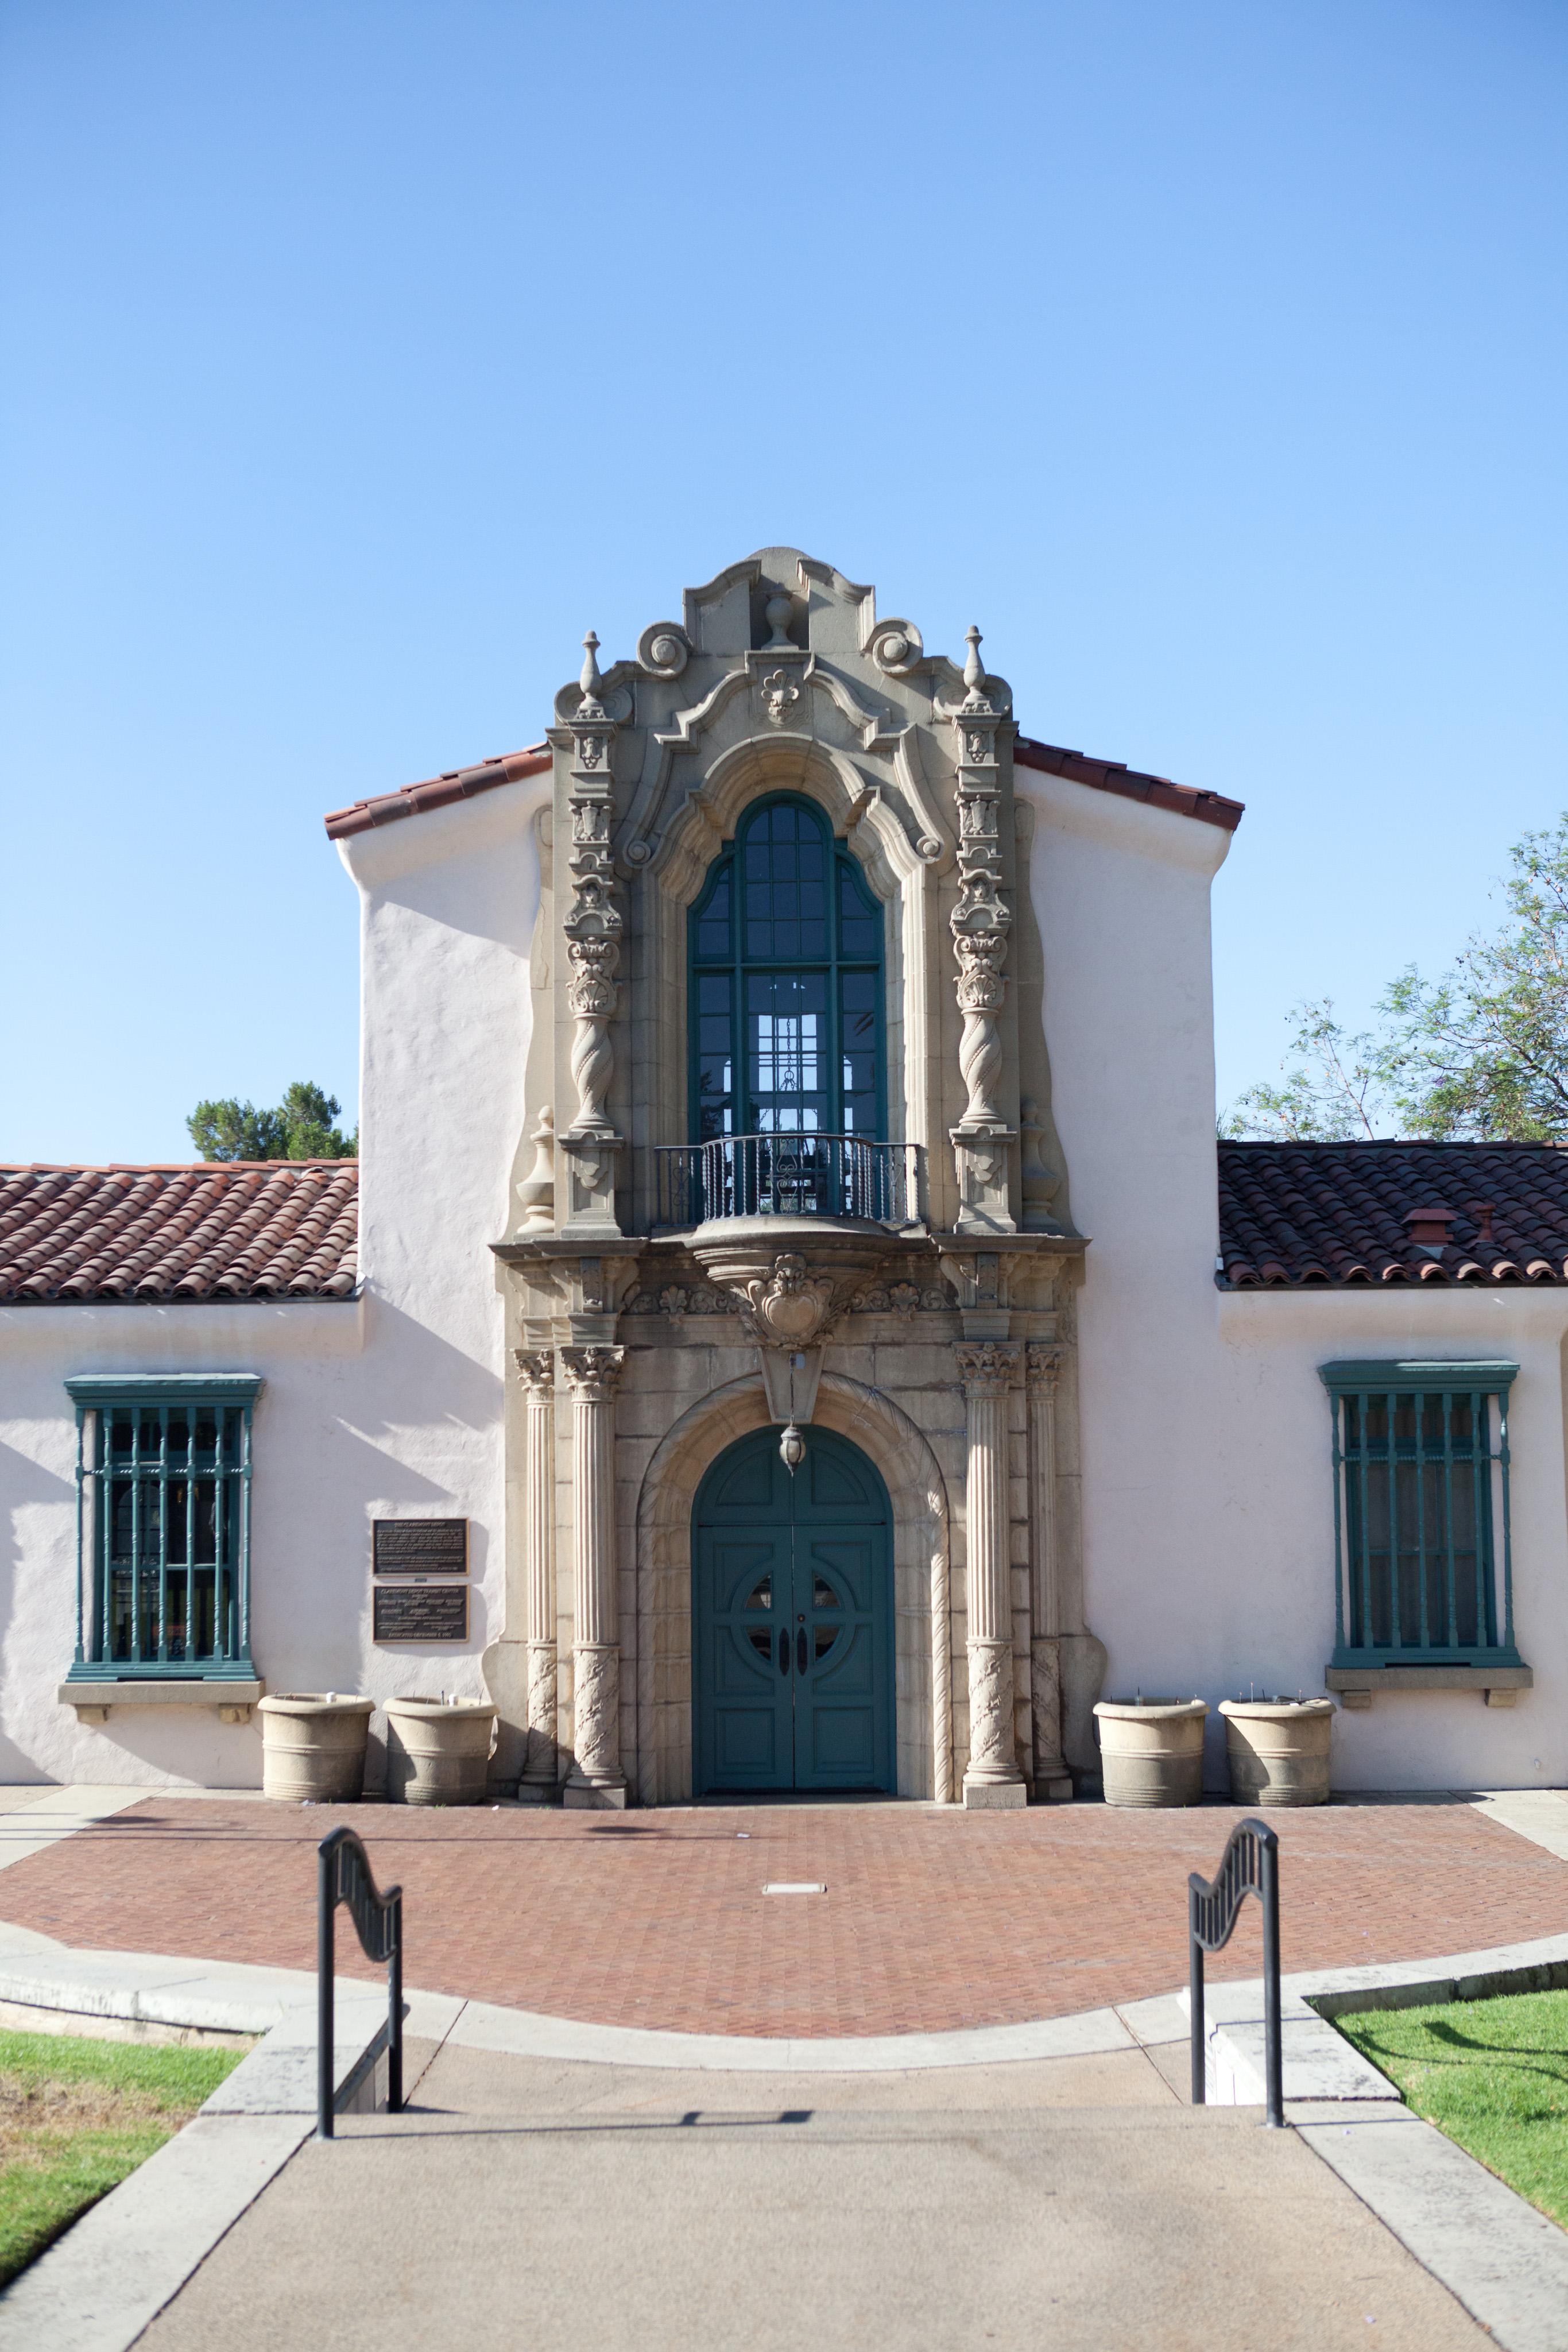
(1480,1055)
(1332,1093)
(299,1128)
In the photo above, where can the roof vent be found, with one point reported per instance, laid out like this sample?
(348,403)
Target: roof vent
(1429,1229)
(1483,1212)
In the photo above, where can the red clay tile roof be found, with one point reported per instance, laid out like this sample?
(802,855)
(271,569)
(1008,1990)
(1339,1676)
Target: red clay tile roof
(1105,775)
(221,1230)
(1115,776)
(1300,1216)
(456,784)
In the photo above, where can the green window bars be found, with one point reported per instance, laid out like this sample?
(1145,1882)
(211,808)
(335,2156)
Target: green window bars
(1421,1493)
(163,1471)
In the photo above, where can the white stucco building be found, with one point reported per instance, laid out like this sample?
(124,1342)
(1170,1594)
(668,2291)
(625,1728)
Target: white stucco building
(791,1326)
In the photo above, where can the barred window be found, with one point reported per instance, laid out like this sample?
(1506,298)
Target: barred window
(163,1470)
(1424,1569)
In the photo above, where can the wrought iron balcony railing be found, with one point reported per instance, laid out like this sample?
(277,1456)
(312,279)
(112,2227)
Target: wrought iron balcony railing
(808,1175)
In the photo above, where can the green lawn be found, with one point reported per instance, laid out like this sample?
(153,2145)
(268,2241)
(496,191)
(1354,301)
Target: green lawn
(76,2116)
(1493,2075)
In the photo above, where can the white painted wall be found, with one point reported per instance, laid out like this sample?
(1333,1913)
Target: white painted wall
(391,1403)
(1207,1503)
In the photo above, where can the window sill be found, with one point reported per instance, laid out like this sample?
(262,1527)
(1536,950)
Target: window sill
(92,1701)
(1356,1686)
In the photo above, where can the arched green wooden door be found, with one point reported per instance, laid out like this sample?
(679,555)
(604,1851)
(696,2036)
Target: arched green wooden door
(792,1620)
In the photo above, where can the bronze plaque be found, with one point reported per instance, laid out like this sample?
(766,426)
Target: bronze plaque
(421,1612)
(420,1547)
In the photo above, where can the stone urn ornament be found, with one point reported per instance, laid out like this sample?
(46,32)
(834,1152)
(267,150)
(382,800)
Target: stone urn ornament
(1278,1750)
(438,1750)
(1152,1750)
(313,1747)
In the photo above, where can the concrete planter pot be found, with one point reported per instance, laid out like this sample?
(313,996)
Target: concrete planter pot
(437,1753)
(1152,1750)
(313,1747)
(1278,1750)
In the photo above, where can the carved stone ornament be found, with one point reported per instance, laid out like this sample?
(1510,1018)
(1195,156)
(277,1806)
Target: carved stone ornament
(593,1374)
(986,1366)
(592,922)
(789,1307)
(778,694)
(664,649)
(535,1369)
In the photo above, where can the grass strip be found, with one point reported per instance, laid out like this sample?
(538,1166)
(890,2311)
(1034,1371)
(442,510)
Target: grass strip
(1493,2075)
(76,2117)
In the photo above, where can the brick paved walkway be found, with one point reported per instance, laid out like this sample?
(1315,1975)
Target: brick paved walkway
(932,1920)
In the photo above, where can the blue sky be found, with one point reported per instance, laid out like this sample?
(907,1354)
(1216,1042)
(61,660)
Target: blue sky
(359,354)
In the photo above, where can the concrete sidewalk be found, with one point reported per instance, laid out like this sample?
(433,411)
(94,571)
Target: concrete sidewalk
(1071,2202)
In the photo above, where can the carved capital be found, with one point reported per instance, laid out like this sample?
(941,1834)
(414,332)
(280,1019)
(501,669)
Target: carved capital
(536,1370)
(593,1374)
(1042,1367)
(986,1367)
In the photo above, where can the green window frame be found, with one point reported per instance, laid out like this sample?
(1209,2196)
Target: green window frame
(786,933)
(163,1480)
(1423,1522)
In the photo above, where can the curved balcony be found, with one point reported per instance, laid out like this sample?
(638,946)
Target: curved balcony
(840,1176)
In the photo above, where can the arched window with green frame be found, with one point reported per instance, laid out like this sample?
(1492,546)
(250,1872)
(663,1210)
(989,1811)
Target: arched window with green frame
(786,985)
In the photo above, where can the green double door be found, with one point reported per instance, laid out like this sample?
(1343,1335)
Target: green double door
(793,1620)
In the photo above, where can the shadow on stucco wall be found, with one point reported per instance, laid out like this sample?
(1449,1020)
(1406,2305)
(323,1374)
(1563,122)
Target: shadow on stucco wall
(28,1552)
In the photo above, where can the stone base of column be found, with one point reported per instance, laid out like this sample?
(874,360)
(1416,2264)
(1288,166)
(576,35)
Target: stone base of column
(540,1781)
(993,1796)
(993,1780)
(1052,1780)
(594,1796)
(596,1783)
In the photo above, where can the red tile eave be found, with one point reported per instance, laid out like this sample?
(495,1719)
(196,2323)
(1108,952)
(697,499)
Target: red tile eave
(1115,776)
(439,791)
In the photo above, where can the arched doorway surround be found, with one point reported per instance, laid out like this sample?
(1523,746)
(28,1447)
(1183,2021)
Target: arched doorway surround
(922,1620)
(793,1682)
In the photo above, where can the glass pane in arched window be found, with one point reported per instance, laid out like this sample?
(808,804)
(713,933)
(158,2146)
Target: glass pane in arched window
(713,923)
(786,883)
(860,917)
(787,1041)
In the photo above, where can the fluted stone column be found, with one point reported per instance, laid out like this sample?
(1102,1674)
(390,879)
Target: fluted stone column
(596,1778)
(1052,1780)
(536,1368)
(993,1778)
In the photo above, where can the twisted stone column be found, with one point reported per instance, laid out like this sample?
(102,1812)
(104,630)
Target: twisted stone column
(1052,1776)
(993,1778)
(596,1779)
(536,1368)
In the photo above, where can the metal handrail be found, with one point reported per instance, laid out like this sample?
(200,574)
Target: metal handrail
(804,1174)
(1250,1865)
(343,1875)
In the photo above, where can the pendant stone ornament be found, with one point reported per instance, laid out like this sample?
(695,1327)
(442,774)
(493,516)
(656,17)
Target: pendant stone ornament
(592,926)
(982,1141)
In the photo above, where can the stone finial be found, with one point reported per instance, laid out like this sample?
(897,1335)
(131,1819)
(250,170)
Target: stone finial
(974,668)
(776,613)
(590,681)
